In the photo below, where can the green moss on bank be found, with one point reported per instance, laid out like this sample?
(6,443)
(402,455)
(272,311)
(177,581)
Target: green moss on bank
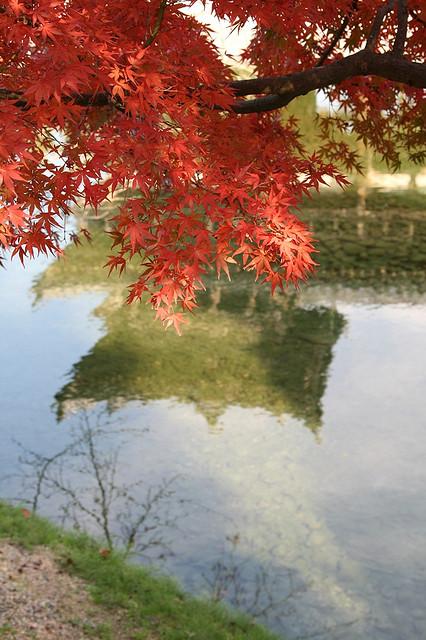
(156,609)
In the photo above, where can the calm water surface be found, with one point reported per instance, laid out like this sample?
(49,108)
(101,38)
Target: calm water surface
(274,456)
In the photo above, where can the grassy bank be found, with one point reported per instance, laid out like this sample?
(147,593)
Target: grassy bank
(155,608)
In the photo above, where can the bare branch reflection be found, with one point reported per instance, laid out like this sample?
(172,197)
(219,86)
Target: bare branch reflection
(271,596)
(89,482)
(233,579)
(82,480)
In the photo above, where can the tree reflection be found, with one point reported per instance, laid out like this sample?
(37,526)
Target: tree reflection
(243,347)
(272,596)
(261,594)
(82,481)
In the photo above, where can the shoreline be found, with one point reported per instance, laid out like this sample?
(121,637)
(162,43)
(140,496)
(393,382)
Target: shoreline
(67,584)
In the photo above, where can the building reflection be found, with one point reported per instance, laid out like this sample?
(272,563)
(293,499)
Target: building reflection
(243,347)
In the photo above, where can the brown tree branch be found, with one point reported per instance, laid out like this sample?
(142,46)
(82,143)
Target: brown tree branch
(279,91)
(401,35)
(377,24)
(276,92)
(100,99)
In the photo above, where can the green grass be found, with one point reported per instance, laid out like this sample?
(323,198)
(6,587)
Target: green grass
(6,631)
(155,607)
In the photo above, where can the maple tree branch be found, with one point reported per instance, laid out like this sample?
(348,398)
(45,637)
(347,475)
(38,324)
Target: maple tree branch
(100,99)
(279,91)
(377,24)
(338,34)
(401,35)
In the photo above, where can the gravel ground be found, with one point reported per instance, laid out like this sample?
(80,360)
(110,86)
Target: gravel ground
(38,601)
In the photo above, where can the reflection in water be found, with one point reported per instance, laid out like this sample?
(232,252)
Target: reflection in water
(232,579)
(277,358)
(305,537)
(268,596)
(88,485)
(85,482)
(378,249)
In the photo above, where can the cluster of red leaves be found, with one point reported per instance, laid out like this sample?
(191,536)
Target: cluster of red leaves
(205,187)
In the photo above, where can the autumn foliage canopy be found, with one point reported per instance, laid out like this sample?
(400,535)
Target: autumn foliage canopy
(106,96)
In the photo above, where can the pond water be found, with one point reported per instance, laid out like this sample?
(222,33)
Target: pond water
(272,457)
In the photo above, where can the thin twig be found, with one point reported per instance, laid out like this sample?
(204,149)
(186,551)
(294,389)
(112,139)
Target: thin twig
(377,24)
(157,25)
(401,35)
(338,34)
(105,497)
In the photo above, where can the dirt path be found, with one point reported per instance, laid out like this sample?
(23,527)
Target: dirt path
(39,601)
